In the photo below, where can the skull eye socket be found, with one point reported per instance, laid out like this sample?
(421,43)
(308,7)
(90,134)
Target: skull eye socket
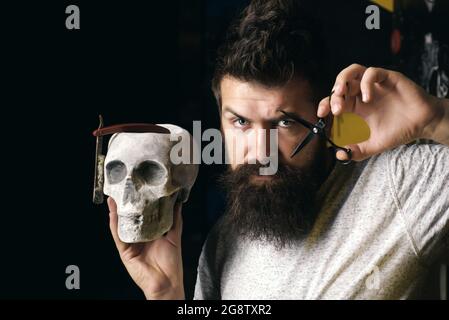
(150,172)
(115,171)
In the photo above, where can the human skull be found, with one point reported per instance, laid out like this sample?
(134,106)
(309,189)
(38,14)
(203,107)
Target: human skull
(144,183)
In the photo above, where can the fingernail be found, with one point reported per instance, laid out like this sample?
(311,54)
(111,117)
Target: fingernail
(337,108)
(335,89)
(365,97)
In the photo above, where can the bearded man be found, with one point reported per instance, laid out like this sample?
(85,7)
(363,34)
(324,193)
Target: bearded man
(316,229)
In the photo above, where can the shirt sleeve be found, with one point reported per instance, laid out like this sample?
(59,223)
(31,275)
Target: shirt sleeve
(419,175)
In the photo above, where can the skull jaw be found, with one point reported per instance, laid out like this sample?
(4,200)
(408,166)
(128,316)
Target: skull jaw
(150,224)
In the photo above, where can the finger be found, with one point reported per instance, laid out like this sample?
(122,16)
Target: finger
(347,102)
(175,233)
(113,218)
(346,76)
(342,155)
(112,205)
(346,87)
(361,151)
(353,87)
(336,103)
(369,78)
(323,108)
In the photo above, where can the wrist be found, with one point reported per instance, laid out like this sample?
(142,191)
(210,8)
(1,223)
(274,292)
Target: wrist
(176,293)
(438,129)
(433,129)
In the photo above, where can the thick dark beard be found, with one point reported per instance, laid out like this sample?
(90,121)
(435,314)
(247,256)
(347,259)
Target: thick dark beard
(280,211)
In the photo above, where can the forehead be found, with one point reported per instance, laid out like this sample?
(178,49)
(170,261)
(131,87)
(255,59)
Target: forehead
(236,93)
(137,146)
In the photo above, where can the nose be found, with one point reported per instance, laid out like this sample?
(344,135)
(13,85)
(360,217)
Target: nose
(259,145)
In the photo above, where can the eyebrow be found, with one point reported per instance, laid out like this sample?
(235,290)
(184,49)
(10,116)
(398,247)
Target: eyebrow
(297,118)
(284,116)
(228,109)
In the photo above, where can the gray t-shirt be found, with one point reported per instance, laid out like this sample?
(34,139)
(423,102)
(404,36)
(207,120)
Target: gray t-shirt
(383,222)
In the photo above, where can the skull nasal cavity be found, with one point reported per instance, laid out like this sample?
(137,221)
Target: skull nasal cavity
(149,172)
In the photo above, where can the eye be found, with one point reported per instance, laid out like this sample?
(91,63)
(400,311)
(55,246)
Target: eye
(240,122)
(115,171)
(149,172)
(285,123)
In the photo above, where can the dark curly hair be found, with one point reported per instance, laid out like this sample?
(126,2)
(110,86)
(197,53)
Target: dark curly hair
(272,42)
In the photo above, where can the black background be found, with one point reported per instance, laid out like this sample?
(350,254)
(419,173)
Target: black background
(131,61)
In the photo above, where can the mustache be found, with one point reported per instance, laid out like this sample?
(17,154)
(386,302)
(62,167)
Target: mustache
(243,173)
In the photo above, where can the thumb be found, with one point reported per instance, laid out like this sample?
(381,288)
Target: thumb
(112,205)
(113,219)
(175,233)
(360,151)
